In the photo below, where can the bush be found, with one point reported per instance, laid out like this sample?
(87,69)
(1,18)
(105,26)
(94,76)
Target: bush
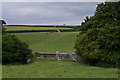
(14,50)
(99,41)
(100,46)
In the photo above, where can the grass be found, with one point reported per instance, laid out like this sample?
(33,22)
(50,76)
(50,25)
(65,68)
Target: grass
(49,42)
(15,28)
(50,68)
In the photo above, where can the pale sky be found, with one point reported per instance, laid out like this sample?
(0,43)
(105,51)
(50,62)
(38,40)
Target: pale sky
(47,12)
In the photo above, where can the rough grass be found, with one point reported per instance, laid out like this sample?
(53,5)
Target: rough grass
(15,28)
(50,68)
(49,42)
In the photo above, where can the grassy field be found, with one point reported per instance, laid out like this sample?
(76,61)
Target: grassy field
(49,42)
(15,28)
(50,68)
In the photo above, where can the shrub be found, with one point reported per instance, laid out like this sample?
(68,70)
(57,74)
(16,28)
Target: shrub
(14,50)
(100,46)
(98,43)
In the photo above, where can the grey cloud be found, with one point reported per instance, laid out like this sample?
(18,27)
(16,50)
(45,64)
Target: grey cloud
(47,12)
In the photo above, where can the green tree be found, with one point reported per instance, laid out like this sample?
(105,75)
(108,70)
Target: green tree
(98,43)
(14,50)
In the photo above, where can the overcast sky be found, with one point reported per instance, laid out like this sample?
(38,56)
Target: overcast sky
(47,12)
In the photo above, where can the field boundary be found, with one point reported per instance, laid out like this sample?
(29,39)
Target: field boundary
(58,26)
(22,31)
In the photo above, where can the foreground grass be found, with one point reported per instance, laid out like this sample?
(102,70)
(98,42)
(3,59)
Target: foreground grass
(49,42)
(50,68)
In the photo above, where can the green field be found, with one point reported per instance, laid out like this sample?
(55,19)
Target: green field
(50,68)
(49,42)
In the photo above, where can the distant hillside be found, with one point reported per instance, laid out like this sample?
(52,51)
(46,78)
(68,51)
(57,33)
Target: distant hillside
(39,28)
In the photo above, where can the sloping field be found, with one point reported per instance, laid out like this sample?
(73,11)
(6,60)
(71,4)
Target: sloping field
(49,42)
(51,68)
(15,28)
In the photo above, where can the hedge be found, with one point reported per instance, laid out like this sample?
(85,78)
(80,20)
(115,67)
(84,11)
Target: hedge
(21,31)
(72,26)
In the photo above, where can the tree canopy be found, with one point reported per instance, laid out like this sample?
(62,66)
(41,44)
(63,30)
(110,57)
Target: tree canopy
(98,42)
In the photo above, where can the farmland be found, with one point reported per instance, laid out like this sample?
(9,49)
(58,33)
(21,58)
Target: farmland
(49,42)
(14,28)
(50,68)
(97,46)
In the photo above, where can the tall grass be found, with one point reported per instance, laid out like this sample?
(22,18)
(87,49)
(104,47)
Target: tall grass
(51,68)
